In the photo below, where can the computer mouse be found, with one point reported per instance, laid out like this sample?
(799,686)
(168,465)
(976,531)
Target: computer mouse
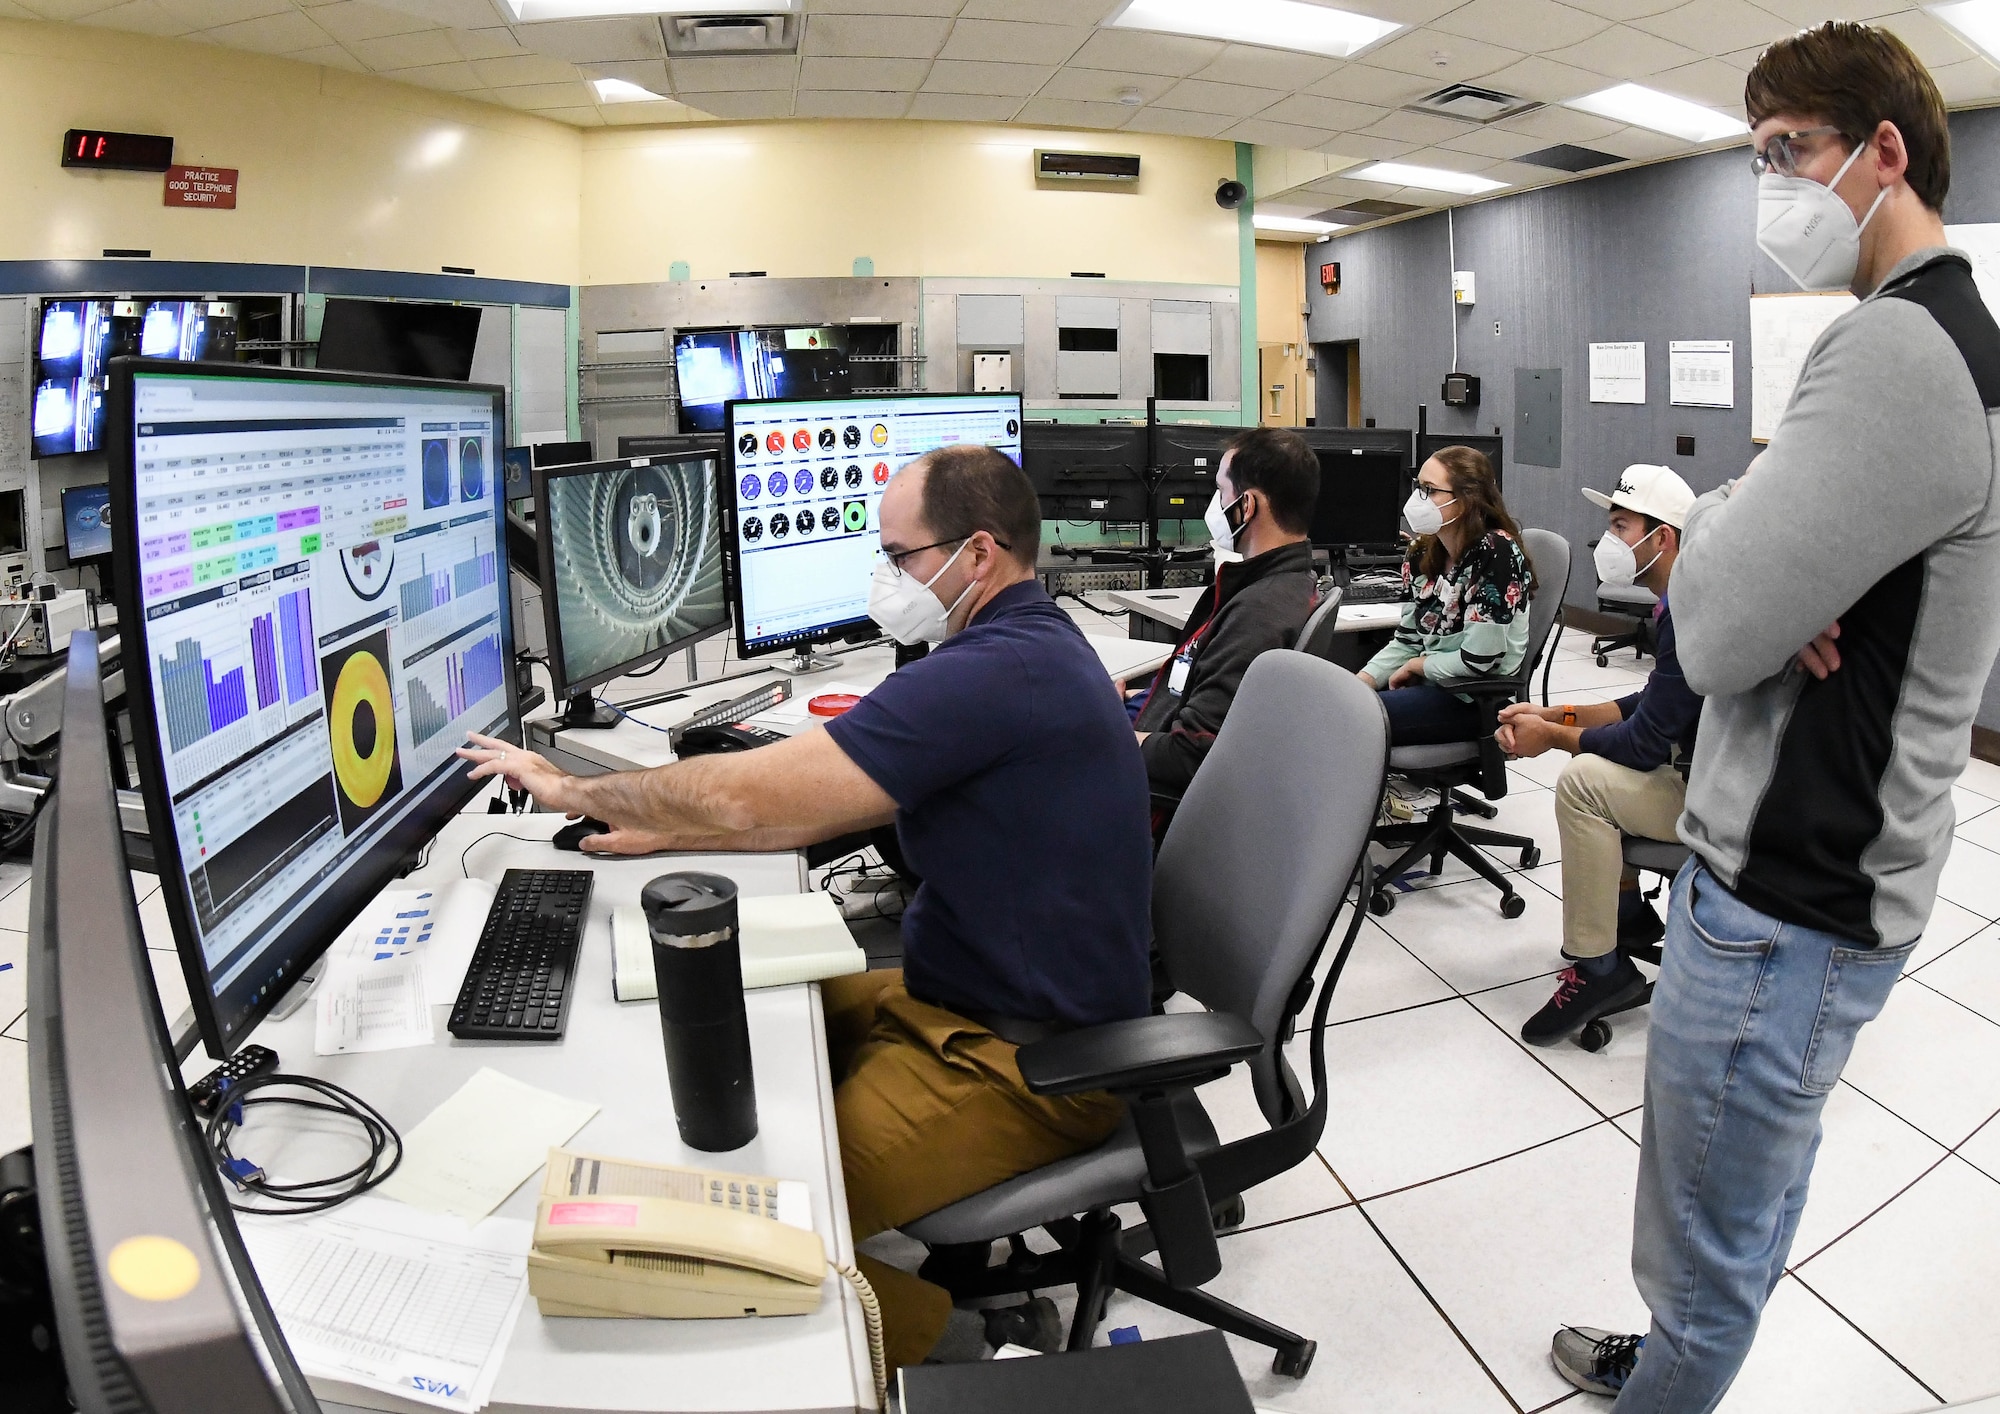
(571,836)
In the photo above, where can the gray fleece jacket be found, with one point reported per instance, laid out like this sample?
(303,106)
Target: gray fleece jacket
(1828,804)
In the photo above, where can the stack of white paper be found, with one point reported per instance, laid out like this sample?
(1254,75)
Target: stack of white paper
(469,1153)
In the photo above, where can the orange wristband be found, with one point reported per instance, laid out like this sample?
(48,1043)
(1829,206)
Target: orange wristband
(1569,715)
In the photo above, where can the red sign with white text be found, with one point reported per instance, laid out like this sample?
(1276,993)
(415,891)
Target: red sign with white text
(212,187)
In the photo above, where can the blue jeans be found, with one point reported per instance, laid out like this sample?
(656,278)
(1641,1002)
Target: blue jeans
(1423,715)
(1753,1020)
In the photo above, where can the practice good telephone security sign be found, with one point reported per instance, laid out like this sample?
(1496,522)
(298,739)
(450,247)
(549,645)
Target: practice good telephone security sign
(210,187)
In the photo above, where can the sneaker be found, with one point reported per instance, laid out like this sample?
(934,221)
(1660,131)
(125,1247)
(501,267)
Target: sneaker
(1580,999)
(1641,928)
(1595,1361)
(1034,1324)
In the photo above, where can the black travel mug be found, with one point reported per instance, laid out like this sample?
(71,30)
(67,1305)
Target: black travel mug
(698,967)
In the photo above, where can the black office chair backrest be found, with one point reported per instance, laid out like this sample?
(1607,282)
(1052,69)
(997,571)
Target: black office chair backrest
(1254,865)
(1316,637)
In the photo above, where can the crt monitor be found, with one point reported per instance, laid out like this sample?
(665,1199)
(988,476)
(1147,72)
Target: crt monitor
(157,1305)
(631,564)
(312,589)
(802,500)
(86,522)
(1360,498)
(1087,471)
(1429,444)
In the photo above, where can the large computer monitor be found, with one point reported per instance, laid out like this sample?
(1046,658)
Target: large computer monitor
(802,501)
(1087,470)
(1429,444)
(714,366)
(157,1305)
(631,564)
(86,523)
(314,605)
(1361,497)
(399,337)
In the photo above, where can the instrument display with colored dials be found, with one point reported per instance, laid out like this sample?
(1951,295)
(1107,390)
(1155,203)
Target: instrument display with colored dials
(320,577)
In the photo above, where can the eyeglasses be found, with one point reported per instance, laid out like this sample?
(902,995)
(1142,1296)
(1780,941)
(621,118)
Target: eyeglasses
(1431,493)
(1781,153)
(896,557)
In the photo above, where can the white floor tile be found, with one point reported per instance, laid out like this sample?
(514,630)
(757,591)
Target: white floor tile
(1562,1255)
(13,874)
(1308,1187)
(1417,875)
(1382,1347)
(1543,770)
(13,975)
(1380,976)
(1919,1277)
(1949,926)
(14,909)
(1632,1122)
(144,885)
(1971,878)
(1982,1150)
(1613,1079)
(1807,1360)
(1529,813)
(1866,1157)
(1969,805)
(1572,675)
(1983,777)
(1929,1061)
(1982,829)
(1970,973)
(153,920)
(1419,1094)
(171,984)
(14,1128)
(1457,932)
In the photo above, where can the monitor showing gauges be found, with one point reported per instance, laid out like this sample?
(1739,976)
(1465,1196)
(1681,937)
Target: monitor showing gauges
(631,564)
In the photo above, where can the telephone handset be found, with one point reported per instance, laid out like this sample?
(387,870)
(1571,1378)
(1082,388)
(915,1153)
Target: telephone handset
(614,1237)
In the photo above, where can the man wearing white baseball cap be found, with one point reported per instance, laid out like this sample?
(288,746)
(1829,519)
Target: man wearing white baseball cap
(1629,775)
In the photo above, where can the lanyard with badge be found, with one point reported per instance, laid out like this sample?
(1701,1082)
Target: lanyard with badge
(1177,676)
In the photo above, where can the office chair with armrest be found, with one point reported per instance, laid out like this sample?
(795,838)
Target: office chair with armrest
(1663,857)
(1449,766)
(1250,881)
(1316,638)
(1633,601)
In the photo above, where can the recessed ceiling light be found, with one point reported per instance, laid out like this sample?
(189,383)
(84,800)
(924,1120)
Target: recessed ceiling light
(533,10)
(1662,112)
(1404,174)
(1294,225)
(620,91)
(1274,24)
(1977,20)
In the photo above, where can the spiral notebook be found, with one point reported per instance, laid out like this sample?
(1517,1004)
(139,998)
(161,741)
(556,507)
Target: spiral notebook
(787,938)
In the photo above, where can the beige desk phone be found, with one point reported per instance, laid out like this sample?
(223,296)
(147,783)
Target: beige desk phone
(615,1237)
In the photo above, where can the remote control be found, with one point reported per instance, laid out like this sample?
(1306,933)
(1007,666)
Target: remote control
(206,1093)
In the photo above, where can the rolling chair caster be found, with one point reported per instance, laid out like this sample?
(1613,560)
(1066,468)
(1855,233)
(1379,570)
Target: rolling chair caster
(1228,1214)
(1603,660)
(1293,1365)
(1530,857)
(1594,1037)
(1512,905)
(1381,903)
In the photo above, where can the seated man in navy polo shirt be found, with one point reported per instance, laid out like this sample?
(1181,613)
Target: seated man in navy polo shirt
(1010,770)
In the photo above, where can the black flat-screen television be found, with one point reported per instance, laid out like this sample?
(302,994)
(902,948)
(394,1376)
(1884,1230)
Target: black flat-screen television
(409,340)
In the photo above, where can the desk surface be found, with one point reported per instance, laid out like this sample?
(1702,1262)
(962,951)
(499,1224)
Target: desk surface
(612,1056)
(1172,606)
(636,744)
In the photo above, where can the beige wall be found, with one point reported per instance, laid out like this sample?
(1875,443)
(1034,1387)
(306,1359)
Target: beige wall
(337,168)
(1281,331)
(921,199)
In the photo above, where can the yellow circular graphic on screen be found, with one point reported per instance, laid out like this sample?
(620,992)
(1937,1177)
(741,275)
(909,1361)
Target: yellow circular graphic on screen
(153,1268)
(362,777)
(879,434)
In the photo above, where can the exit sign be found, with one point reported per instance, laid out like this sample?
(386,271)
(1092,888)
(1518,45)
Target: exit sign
(120,152)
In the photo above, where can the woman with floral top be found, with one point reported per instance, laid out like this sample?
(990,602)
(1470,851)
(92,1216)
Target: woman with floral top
(1465,615)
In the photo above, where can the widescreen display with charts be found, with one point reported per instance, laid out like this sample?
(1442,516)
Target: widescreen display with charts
(806,485)
(320,577)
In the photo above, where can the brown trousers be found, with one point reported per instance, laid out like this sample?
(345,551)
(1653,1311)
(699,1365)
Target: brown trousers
(932,1109)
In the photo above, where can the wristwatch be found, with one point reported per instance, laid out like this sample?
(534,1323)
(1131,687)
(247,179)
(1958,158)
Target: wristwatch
(1569,715)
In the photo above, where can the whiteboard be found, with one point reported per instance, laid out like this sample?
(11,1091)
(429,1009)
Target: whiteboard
(1982,243)
(1783,329)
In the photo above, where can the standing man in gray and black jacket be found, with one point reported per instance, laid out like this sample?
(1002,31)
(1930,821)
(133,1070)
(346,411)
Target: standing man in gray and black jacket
(1819,808)
(1265,489)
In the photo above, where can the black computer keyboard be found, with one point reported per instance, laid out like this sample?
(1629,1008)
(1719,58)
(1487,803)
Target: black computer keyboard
(1384,591)
(524,970)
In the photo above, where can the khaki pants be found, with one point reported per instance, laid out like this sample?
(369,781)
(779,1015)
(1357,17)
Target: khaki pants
(1596,801)
(932,1109)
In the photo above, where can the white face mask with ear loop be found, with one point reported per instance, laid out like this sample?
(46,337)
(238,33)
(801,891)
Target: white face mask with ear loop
(1221,535)
(1425,516)
(1808,231)
(1618,563)
(905,606)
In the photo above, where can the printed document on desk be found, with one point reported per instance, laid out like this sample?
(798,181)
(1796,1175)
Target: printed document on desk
(469,1153)
(370,1005)
(379,1295)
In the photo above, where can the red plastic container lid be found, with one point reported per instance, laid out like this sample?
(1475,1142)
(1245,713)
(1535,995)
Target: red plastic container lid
(831,704)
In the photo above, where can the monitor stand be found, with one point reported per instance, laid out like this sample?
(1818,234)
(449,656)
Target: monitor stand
(803,661)
(585,713)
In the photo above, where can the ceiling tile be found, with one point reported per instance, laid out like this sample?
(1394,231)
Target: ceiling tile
(943,9)
(1715,82)
(405,51)
(1531,25)
(493,43)
(1013,43)
(1644,143)
(456,77)
(1522,174)
(1009,80)
(649,74)
(640,115)
(137,17)
(586,41)
(1450,159)
(66,11)
(274,34)
(1068,113)
(963,107)
(519,69)
(863,75)
(207,14)
(1545,80)
(1387,88)
(1305,109)
(1419,51)
(1494,142)
(1933,43)
(1969,81)
(873,36)
(535,96)
(1625,9)
(734,75)
(1236,100)
(1560,125)
(1364,148)
(1048,12)
(1266,68)
(1811,12)
(1408,12)
(575,117)
(1146,53)
(761,103)
(1625,53)
(1177,122)
(1717,26)
(1102,86)
(1416,127)
(9,10)
(348,20)
(448,14)
(847,103)
(330,56)
(1266,133)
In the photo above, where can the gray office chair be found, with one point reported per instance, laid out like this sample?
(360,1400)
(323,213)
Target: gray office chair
(1316,637)
(1627,601)
(1251,878)
(1450,766)
(1663,857)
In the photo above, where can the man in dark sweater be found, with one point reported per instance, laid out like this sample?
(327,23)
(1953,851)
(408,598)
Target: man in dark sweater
(1630,772)
(1265,490)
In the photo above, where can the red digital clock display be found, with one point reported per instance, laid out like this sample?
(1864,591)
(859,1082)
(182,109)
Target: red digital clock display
(123,152)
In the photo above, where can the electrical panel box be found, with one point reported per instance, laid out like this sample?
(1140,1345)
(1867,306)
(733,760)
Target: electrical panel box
(1461,287)
(993,373)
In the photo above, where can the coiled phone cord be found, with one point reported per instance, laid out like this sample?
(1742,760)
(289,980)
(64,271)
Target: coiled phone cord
(871,1317)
